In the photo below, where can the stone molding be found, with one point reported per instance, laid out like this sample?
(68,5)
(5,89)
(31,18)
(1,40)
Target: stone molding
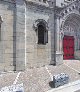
(70,8)
(9,1)
(44,23)
(36,3)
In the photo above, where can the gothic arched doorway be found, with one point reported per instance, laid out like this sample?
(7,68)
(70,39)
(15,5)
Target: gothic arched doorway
(71,39)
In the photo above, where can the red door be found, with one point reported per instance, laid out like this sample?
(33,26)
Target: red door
(68,47)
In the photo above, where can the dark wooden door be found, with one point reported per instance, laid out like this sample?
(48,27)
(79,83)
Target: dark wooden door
(68,47)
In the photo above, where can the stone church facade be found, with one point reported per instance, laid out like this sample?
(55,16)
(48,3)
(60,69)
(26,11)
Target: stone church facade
(35,33)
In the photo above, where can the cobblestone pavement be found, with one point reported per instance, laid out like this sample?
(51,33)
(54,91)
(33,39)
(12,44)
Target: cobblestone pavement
(38,79)
(6,79)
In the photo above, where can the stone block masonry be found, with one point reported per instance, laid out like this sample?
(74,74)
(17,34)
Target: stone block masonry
(7,10)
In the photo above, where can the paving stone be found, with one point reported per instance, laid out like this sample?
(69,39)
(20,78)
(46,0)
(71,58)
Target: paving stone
(38,79)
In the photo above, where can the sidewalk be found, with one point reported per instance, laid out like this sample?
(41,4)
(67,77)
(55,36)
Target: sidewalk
(38,79)
(70,87)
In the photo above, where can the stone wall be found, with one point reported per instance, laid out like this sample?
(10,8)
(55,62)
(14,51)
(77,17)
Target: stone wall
(18,50)
(37,55)
(6,43)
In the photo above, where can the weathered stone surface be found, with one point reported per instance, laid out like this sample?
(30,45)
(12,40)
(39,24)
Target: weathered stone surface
(6,44)
(37,55)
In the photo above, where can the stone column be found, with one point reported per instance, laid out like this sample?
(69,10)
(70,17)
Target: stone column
(20,35)
(52,5)
(57,34)
(54,27)
(78,43)
(58,43)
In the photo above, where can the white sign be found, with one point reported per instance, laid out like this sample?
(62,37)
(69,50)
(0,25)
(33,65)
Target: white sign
(13,88)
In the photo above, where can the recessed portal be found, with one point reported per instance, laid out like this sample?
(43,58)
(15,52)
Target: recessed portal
(68,47)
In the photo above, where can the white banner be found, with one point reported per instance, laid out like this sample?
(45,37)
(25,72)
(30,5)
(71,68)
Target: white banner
(13,88)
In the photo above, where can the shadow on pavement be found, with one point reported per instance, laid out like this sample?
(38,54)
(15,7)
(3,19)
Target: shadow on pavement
(51,84)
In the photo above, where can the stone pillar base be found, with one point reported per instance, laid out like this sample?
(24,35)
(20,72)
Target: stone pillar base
(77,54)
(59,58)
